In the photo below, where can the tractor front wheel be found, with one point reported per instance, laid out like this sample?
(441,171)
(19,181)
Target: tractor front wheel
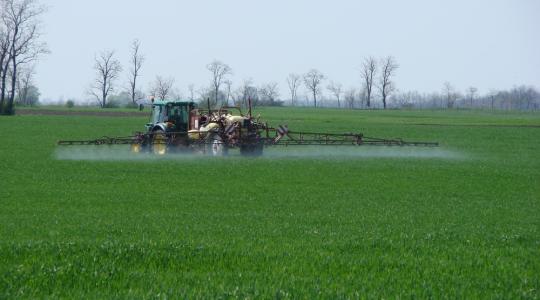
(159,142)
(136,148)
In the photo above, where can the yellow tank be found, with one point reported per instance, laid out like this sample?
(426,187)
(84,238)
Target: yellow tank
(233,119)
(201,133)
(194,135)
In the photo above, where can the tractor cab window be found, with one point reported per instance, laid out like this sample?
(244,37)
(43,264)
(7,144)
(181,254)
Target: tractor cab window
(184,114)
(178,114)
(157,114)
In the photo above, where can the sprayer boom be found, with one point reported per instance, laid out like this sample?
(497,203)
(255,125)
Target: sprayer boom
(274,137)
(182,125)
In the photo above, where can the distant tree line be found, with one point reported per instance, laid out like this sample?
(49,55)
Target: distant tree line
(517,98)
(376,89)
(220,90)
(20,48)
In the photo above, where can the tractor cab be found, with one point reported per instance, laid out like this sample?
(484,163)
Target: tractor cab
(171,115)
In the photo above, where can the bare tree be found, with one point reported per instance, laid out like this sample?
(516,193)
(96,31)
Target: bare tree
(405,99)
(336,89)
(491,95)
(449,94)
(312,80)
(471,93)
(21,37)
(246,92)
(350,96)
(136,62)
(162,87)
(107,70)
(5,45)
(523,97)
(369,69)
(24,82)
(293,81)
(269,93)
(219,72)
(249,92)
(191,89)
(175,93)
(362,96)
(386,86)
(203,92)
(228,83)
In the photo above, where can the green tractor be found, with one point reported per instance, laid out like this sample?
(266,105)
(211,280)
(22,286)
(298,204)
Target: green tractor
(180,126)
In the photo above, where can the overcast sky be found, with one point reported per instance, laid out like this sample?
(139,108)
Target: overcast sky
(489,44)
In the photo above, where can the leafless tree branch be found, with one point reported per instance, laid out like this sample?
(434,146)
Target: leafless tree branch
(269,93)
(368,71)
(386,86)
(293,81)
(19,42)
(24,81)
(107,70)
(450,94)
(219,72)
(312,80)
(136,62)
(162,87)
(336,89)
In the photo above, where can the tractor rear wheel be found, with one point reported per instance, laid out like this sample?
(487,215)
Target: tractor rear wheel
(159,142)
(252,149)
(215,145)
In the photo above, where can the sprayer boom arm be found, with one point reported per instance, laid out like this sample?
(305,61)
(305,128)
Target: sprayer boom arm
(102,141)
(292,138)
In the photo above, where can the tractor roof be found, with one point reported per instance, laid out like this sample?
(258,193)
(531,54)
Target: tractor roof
(177,102)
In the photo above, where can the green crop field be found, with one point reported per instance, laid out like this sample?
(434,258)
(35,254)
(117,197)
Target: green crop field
(458,221)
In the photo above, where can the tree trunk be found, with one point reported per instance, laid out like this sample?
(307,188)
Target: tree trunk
(3,89)
(104,92)
(133,90)
(315,98)
(2,84)
(9,109)
(3,93)
(25,94)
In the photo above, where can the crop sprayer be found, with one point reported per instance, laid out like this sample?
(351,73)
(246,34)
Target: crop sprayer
(181,126)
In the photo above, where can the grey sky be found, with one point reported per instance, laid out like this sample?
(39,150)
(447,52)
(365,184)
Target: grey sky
(491,44)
